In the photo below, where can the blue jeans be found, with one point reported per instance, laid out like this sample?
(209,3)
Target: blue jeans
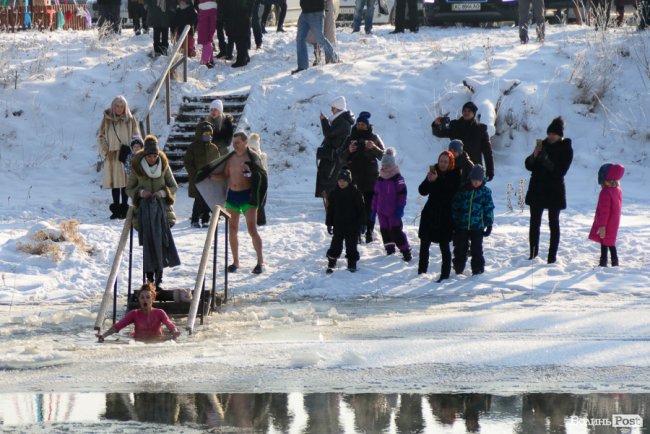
(312,21)
(370,10)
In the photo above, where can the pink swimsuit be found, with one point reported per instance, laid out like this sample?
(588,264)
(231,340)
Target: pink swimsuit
(147,326)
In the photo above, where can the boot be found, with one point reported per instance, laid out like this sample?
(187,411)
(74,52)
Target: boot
(444,272)
(406,255)
(115,210)
(534,250)
(390,249)
(352,265)
(603,261)
(612,251)
(124,208)
(331,265)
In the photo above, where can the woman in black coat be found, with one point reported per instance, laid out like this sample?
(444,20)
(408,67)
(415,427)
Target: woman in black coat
(440,185)
(549,163)
(335,129)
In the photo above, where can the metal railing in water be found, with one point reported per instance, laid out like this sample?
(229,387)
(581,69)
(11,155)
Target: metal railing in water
(165,78)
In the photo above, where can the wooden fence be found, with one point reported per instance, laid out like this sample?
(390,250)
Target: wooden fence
(12,19)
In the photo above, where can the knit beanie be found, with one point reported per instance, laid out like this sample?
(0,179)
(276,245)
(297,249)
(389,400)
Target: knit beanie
(217,104)
(345,175)
(339,103)
(364,117)
(151,145)
(556,126)
(602,173)
(388,160)
(206,126)
(254,142)
(136,139)
(615,172)
(477,173)
(470,105)
(456,146)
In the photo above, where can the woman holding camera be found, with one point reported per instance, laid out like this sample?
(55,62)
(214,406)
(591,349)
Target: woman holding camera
(115,132)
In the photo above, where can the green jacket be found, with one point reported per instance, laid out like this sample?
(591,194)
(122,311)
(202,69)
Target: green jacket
(198,155)
(139,181)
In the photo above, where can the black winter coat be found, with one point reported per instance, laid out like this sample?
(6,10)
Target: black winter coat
(363,162)
(435,222)
(346,211)
(546,187)
(475,138)
(329,163)
(308,6)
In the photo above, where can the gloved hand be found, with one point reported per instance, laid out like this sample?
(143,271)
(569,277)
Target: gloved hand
(399,212)
(489,178)
(362,229)
(330,230)
(487,231)
(373,216)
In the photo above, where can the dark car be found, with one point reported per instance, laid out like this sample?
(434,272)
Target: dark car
(439,12)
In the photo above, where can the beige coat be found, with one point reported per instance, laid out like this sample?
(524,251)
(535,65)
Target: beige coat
(114,132)
(165,182)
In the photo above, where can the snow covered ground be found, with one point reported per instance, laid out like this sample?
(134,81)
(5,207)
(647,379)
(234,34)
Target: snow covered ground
(522,326)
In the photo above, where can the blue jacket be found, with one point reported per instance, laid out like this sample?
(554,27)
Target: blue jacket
(472,209)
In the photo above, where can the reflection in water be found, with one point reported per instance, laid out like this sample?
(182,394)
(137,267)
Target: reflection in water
(533,413)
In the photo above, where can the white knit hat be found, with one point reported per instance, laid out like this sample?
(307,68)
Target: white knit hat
(339,103)
(388,160)
(217,104)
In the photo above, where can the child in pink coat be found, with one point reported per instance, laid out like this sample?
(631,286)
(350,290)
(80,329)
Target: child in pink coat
(608,212)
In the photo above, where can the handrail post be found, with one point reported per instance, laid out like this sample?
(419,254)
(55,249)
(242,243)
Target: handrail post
(225,285)
(115,302)
(185,54)
(148,123)
(214,269)
(168,91)
(128,300)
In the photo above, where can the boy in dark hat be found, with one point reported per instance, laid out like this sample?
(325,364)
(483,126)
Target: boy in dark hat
(472,212)
(201,152)
(462,163)
(473,134)
(345,220)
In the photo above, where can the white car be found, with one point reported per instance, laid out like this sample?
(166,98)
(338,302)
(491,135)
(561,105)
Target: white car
(346,12)
(293,11)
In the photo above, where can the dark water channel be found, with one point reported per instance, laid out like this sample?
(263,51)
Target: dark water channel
(325,413)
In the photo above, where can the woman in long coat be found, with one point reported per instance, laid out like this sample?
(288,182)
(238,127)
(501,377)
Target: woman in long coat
(548,164)
(117,128)
(153,189)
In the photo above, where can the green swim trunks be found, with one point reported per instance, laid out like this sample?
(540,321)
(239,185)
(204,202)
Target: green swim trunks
(238,201)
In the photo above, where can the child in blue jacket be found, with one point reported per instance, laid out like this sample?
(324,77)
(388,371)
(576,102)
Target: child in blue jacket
(472,212)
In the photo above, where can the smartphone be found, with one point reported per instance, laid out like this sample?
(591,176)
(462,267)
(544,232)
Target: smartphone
(432,168)
(538,143)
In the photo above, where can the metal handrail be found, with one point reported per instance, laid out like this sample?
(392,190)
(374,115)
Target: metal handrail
(197,295)
(165,78)
(112,277)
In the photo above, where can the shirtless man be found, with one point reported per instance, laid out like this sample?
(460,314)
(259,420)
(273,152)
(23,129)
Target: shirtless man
(242,197)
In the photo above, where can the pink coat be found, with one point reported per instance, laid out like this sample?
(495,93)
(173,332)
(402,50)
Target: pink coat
(608,210)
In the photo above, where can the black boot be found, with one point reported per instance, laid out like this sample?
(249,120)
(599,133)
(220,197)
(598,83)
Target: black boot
(352,265)
(124,208)
(614,254)
(406,255)
(115,210)
(444,272)
(534,250)
(331,265)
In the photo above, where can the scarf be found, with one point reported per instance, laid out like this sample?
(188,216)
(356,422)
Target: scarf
(389,172)
(152,171)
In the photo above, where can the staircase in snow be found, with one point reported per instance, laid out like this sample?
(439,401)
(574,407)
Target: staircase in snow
(193,110)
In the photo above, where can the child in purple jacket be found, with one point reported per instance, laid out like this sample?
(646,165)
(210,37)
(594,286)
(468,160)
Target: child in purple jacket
(388,204)
(608,212)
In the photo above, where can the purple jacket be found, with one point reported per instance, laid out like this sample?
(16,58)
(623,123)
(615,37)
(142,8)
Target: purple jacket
(390,194)
(608,210)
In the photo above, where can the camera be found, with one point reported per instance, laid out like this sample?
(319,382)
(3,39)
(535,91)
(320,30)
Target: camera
(445,121)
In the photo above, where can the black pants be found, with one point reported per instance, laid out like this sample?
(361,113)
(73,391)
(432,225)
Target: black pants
(445,252)
(336,246)
(554,227)
(160,40)
(139,17)
(400,15)
(367,201)
(267,11)
(109,14)
(200,210)
(158,277)
(116,193)
(256,24)
(612,253)
(461,240)
(224,33)
(242,35)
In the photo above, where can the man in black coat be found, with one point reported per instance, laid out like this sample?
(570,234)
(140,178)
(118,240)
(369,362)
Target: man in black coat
(473,134)
(335,129)
(360,152)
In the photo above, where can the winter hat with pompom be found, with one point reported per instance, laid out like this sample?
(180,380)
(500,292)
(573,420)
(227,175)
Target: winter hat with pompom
(151,145)
(137,140)
(345,175)
(388,160)
(364,118)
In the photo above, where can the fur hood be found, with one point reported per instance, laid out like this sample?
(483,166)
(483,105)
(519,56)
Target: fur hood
(135,163)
